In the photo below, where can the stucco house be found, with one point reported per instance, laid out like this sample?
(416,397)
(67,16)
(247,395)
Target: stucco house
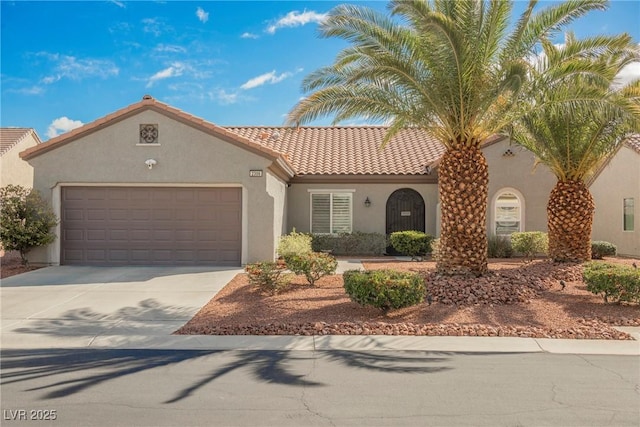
(14,170)
(151,184)
(616,193)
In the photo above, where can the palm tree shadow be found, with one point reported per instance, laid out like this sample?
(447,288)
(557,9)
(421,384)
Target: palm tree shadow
(276,367)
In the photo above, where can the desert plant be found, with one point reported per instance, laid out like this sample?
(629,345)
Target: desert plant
(356,243)
(616,283)
(268,276)
(413,243)
(600,249)
(529,243)
(384,289)
(499,247)
(294,243)
(313,265)
(26,220)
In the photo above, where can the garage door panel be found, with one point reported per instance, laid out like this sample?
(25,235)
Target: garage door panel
(151,225)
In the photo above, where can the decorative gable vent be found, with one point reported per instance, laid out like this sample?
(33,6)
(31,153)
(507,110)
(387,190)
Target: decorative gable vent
(148,134)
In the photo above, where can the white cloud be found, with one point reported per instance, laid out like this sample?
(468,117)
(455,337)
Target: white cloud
(170,48)
(176,69)
(118,3)
(155,26)
(33,90)
(249,36)
(202,15)
(628,74)
(61,125)
(77,68)
(224,97)
(296,19)
(266,78)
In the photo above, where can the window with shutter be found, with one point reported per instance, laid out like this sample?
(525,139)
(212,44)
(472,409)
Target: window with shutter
(331,213)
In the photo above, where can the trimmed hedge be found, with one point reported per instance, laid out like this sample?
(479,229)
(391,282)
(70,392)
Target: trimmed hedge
(384,289)
(530,243)
(313,265)
(616,283)
(600,249)
(356,243)
(412,243)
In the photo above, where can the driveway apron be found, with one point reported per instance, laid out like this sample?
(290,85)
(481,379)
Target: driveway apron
(67,306)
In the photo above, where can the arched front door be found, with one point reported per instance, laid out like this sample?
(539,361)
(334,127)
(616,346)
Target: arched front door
(405,211)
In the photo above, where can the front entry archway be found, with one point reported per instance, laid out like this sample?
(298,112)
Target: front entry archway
(405,211)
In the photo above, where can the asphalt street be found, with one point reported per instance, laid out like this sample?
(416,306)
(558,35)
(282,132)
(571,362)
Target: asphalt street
(150,387)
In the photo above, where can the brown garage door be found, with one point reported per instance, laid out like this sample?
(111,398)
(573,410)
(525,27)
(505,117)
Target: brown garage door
(150,226)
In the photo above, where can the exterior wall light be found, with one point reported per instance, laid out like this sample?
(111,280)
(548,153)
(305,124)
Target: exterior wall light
(150,163)
(367,202)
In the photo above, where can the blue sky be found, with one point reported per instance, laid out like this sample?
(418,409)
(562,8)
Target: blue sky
(230,62)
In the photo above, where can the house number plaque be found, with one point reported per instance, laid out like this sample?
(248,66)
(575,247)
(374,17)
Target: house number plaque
(255,173)
(405,213)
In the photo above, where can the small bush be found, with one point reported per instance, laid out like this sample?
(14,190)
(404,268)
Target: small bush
(602,249)
(313,265)
(412,243)
(294,244)
(499,247)
(616,283)
(26,220)
(268,276)
(530,243)
(384,289)
(356,243)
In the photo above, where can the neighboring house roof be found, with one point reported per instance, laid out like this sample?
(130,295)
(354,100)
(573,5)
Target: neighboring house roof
(149,103)
(10,137)
(348,150)
(633,142)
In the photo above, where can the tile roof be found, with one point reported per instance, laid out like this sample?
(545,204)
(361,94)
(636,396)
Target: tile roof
(633,142)
(10,137)
(348,150)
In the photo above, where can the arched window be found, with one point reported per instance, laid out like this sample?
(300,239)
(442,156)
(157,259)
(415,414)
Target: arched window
(508,212)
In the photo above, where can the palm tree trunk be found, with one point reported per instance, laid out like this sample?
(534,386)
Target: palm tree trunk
(463,179)
(570,217)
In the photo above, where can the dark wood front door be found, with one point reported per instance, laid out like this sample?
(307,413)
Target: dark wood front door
(405,211)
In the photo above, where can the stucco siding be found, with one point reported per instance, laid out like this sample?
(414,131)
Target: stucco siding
(14,170)
(619,180)
(365,219)
(185,156)
(277,190)
(517,172)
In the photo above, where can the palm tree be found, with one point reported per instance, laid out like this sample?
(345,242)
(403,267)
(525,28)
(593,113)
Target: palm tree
(450,67)
(575,138)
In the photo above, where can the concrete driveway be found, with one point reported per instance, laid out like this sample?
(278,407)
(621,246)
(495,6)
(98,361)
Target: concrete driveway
(69,306)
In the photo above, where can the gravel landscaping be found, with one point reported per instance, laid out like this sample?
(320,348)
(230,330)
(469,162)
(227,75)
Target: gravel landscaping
(515,299)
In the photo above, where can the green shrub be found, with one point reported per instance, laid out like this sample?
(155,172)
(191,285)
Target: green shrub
(313,265)
(617,283)
(293,244)
(26,220)
(384,289)
(499,247)
(412,243)
(601,249)
(268,276)
(356,243)
(530,243)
